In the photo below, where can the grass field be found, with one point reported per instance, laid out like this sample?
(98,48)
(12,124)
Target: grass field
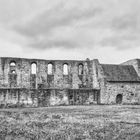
(109,122)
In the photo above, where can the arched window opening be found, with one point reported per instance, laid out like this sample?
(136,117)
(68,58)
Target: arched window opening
(65,69)
(12,63)
(33,68)
(12,67)
(13,72)
(50,69)
(80,69)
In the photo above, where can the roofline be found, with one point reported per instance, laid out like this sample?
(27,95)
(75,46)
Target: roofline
(45,59)
(116,65)
(135,59)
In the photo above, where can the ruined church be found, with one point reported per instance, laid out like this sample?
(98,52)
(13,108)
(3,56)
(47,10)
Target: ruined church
(35,82)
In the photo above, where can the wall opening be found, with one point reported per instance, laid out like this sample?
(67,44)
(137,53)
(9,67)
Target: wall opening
(33,68)
(65,69)
(13,72)
(12,76)
(119,99)
(50,68)
(80,69)
(12,67)
(12,63)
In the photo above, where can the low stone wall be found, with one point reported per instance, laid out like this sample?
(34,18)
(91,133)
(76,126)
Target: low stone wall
(44,97)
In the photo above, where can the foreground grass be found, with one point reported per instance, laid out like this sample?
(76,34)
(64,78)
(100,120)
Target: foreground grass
(71,123)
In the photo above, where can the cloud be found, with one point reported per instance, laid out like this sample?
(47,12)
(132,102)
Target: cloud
(125,31)
(74,29)
(80,24)
(128,21)
(50,27)
(54,18)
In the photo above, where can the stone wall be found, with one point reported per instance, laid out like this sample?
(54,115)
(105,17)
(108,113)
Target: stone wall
(46,97)
(19,85)
(99,80)
(83,83)
(32,98)
(18,98)
(23,78)
(130,92)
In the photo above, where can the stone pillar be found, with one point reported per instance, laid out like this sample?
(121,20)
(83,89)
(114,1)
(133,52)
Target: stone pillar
(99,81)
(95,65)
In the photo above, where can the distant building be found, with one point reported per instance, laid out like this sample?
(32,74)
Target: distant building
(34,82)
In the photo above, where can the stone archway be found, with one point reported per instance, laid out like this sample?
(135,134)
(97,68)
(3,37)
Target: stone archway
(119,98)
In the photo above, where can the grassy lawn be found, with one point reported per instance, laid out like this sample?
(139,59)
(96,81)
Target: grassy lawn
(109,122)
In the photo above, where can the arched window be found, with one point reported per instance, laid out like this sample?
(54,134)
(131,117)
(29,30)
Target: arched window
(33,68)
(12,67)
(13,71)
(80,69)
(50,69)
(65,69)
(12,63)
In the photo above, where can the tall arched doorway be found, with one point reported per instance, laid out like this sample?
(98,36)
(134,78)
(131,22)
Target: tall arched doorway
(119,98)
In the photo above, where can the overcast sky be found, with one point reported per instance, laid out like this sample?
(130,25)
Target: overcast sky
(70,29)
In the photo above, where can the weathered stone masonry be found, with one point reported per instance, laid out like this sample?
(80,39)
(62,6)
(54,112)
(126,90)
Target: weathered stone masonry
(34,82)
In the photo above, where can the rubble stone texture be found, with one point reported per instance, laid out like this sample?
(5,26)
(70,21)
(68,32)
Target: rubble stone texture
(35,82)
